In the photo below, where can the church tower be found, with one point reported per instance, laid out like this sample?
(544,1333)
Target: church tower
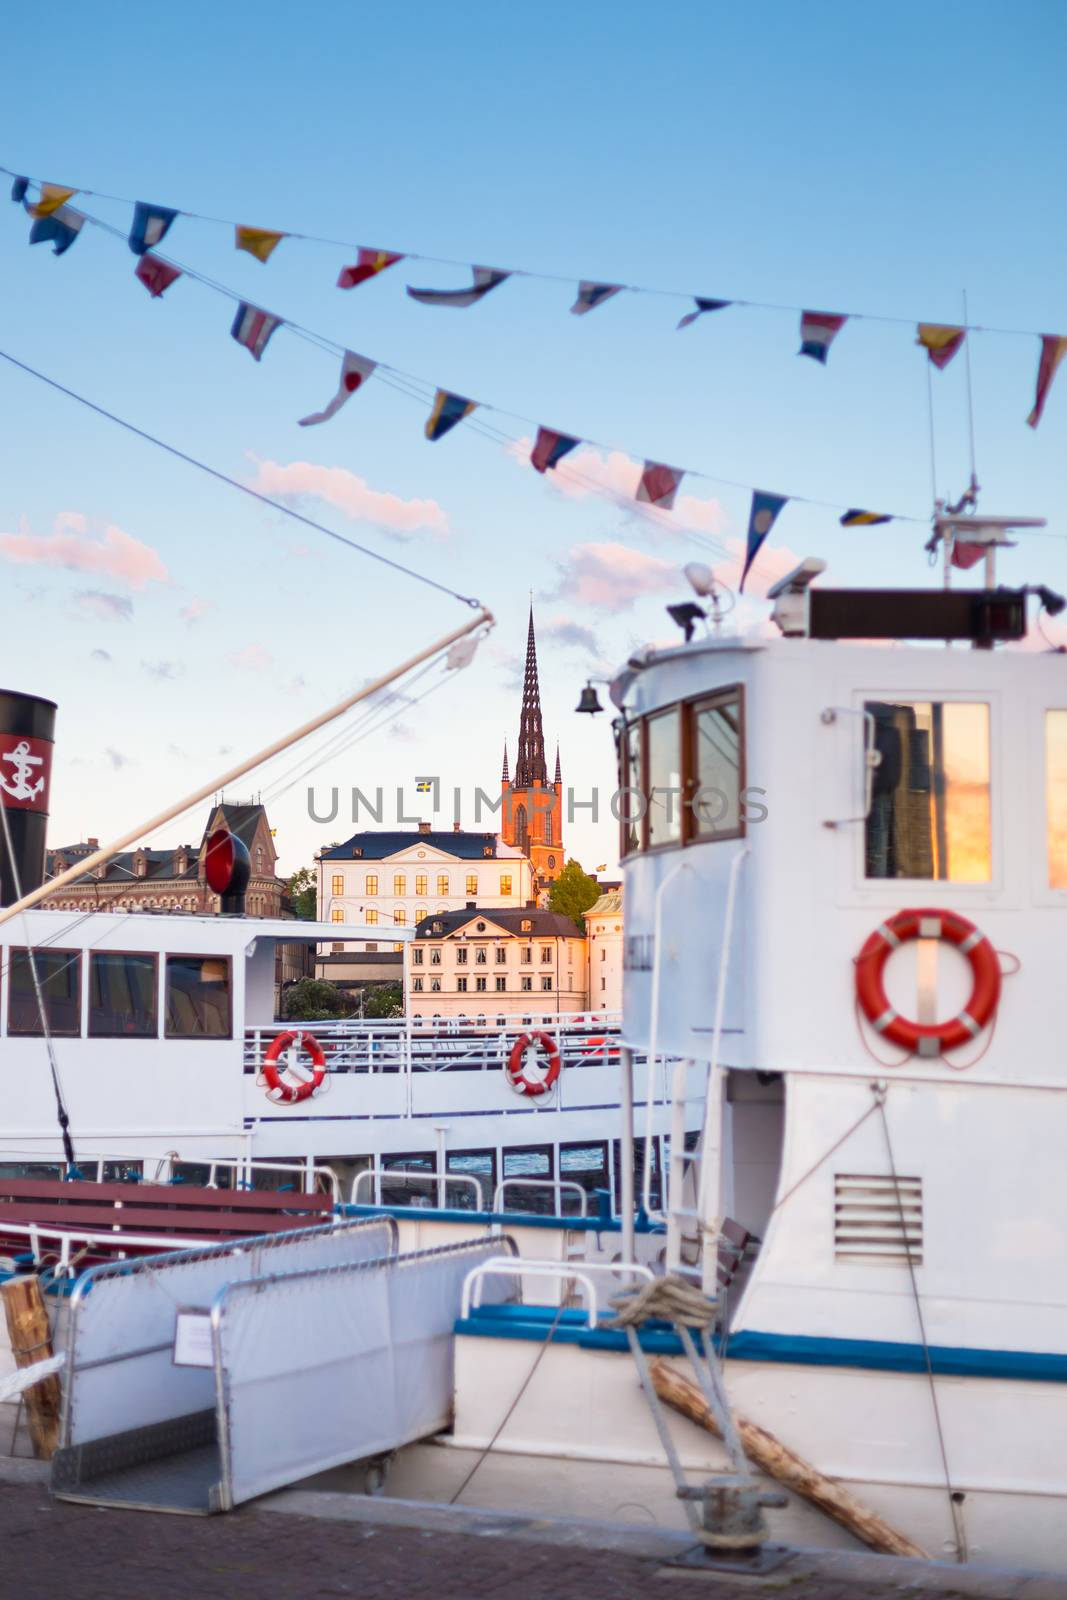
(532,811)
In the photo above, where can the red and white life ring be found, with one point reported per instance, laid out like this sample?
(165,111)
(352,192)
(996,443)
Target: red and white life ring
(928,1038)
(284,1089)
(514,1071)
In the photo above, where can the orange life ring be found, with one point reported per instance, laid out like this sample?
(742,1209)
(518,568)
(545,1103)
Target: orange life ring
(282,1089)
(928,1038)
(516,1061)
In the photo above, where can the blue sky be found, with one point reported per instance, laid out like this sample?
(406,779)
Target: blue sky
(828,156)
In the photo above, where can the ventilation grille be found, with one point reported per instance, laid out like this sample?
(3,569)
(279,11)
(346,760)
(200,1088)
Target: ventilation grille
(876,1219)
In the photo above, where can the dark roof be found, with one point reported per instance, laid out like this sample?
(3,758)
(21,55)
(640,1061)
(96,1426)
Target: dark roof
(375,846)
(241,820)
(543,924)
(159,865)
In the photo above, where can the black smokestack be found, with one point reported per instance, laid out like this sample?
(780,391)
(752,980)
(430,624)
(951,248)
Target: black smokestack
(27,727)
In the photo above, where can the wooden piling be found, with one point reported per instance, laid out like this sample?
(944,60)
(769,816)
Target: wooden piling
(31,1341)
(789,1468)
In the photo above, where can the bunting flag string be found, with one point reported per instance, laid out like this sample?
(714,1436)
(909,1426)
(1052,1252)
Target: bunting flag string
(591,295)
(1053,350)
(355,370)
(703,305)
(485,280)
(855,518)
(258,242)
(818,330)
(761,519)
(657,486)
(61,227)
(368,264)
(149,226)
(940,342)
(52,196)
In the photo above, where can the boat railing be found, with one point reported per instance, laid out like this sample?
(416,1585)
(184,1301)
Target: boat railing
(423,1044)
(244,1174)
(563,1273)
(557,1186)
(375,1175)
(77,1240)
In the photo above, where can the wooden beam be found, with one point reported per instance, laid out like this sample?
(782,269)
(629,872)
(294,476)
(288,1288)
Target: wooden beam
(31,1341)
(787,1467)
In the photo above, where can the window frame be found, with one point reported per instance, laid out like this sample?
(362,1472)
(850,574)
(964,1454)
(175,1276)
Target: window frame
(150,955)
(197,955)
(689,831)
(79,994)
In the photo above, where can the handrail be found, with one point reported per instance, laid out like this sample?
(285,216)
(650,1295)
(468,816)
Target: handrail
(585,1275)
(238,1166)
(557,1185)
(66,1237)
(443,1178)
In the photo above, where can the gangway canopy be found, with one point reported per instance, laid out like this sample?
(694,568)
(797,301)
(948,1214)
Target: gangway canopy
(308,1364)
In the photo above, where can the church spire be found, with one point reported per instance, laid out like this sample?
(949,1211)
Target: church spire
(530,762)
(559,775)
(504,770)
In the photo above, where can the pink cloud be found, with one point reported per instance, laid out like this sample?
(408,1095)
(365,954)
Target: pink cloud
(196,609)
(74,545)
(614,476)
(350,494)
(612,576)
(253,657)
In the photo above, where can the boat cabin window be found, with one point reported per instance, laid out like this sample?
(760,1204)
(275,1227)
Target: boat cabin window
(585,1163)
(477,1164)
(528,1161)
(59,974)
(929,815)
(122,995)
(198,997)
(1056,796)
(714,778)
(664,778)
(681,773)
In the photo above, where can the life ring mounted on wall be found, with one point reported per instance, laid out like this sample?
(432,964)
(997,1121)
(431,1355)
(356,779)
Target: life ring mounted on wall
(515,1070)
(928,1038)
(292,1083)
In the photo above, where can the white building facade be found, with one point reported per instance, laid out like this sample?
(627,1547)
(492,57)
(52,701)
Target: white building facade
(479,965)
(603,927)
(392,879)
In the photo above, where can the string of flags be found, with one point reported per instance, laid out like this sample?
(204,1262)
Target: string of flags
(818,329)
(658,484)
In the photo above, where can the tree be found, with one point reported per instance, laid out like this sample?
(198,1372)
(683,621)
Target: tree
(573,892)
(384,1000)
(316,1000)
(302,889)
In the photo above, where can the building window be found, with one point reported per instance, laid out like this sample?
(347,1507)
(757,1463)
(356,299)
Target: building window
(442,883)
(400,883)
(526,954)
(400,917)
(603,984)
(337,914)
(1056,796)
(527,985)
(501,985)
(435,986)
(461,956)
(398,949)
(58,974)
(500,954)
(461,985)
(481,956)
(372,883)
(930,809)
(715,758)
(372,917)
(435,957)
(421,883)
(416,958)
(603,953)
(546,955)
(546,985)
(526,926)
(337,883)
(472,883)
(480,985)
(122,996)
(198,997)
(370,947)
(420,912)
(505,883)
(416,985)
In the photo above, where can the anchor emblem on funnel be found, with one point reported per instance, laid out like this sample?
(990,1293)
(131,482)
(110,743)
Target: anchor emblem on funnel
(23,764)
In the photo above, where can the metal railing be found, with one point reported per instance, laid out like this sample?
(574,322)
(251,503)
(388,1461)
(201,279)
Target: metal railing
(243,1172)
(585,1275)
(557,1185)
(441,1179)
(68,1238)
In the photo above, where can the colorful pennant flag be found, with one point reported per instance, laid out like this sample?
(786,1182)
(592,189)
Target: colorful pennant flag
(818,330)
(156,274)
(60,228)
(448,409)
(941,342)
(591,295)
(659,484)
(149,226)
(761,519)
(253,328)
(53,195)
(550,448)
(18,189)
(355,370)
(368,264)
(1053,350)
(863,519)
(702,305)
(485,279)
(259,242)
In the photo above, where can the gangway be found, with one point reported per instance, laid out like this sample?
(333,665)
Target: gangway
(203,1378)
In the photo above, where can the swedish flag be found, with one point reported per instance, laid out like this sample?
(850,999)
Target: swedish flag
(424,786)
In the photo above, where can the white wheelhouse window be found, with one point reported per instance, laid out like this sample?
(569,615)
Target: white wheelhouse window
(930,813)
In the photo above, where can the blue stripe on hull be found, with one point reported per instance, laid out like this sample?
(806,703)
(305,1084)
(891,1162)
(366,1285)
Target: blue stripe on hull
(867,1355)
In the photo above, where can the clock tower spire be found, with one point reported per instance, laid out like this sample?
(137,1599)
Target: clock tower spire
(533,807)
